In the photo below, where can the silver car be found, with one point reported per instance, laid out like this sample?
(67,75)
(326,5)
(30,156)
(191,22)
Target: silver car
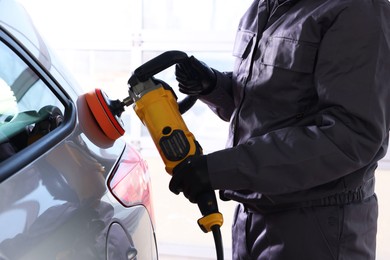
(66,190)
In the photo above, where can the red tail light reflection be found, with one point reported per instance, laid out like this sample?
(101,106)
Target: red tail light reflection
(130,182)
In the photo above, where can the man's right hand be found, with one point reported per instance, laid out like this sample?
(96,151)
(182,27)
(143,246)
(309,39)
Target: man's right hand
(195,77)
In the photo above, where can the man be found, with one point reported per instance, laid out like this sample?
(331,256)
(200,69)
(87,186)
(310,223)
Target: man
(309,109)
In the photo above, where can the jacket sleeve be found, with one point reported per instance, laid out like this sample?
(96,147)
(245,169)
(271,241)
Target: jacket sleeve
(220,100)
(351,77)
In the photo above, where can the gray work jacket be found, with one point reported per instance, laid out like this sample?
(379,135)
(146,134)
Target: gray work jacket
(308,101)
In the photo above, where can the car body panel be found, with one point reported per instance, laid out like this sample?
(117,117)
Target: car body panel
(71,194)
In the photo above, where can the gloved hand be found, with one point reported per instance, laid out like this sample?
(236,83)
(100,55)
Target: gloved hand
(195,77)
(191,177)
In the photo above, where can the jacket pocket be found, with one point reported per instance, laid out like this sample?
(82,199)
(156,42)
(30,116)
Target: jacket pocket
(290,54)
(243,44)
(243,47)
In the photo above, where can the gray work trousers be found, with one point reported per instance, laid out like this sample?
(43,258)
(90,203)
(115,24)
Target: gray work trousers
(342,232)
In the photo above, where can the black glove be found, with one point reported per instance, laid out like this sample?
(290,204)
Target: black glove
(195,77)
(191,177)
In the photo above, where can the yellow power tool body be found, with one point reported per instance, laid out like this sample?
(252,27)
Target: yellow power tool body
(159,112)
(156,105)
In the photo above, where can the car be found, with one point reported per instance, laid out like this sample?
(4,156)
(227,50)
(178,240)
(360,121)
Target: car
(67,191)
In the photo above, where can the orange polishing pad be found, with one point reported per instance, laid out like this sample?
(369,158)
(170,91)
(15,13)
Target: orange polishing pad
(107,121)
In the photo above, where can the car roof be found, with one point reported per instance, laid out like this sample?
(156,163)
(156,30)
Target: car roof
(15,20)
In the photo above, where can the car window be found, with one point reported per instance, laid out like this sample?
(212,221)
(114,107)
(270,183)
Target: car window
(28,108)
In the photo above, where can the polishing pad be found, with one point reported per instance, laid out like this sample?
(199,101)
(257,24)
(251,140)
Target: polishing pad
(98,104)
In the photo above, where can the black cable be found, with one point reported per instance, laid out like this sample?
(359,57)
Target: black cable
(218,241)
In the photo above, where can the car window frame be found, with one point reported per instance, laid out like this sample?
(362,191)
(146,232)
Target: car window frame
(15,163)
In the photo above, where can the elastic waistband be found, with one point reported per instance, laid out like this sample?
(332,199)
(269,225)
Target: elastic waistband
(339,199)
(359,195)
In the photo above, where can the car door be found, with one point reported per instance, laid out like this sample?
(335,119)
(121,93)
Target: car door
(54,198)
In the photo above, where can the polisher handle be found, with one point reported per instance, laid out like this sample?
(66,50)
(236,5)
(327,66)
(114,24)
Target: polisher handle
(156,65)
